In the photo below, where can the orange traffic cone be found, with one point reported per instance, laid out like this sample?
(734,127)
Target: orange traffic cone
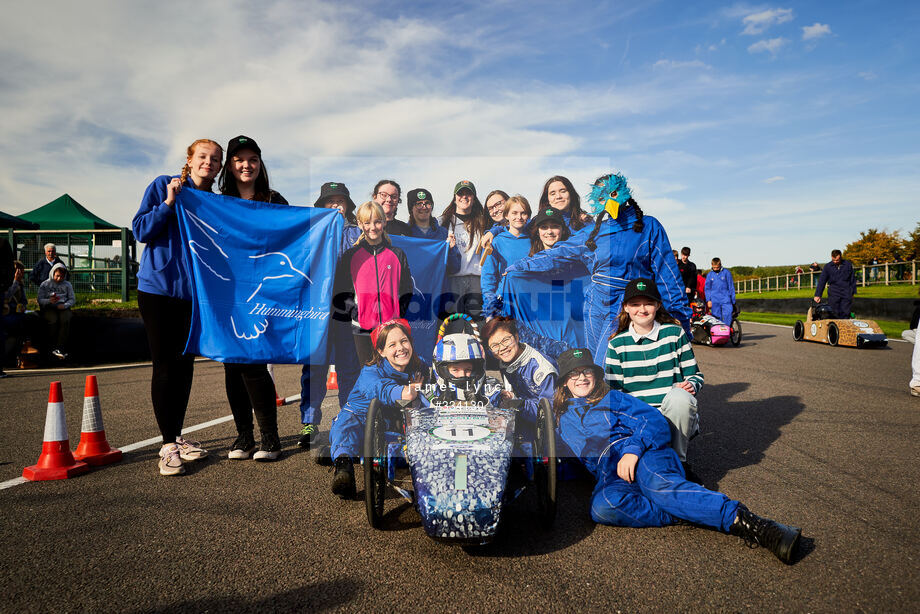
(56,462)
(94,447)
(332,382)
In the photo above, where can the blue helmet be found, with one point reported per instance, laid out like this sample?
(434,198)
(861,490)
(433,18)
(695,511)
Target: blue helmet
(460,347)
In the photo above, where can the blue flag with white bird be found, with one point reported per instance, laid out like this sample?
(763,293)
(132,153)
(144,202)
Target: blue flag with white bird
(428,265)
(261,277)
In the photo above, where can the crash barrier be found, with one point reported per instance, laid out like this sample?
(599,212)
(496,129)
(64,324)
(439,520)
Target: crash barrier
(898,309)
(102,263)
(886,274)
(56,461)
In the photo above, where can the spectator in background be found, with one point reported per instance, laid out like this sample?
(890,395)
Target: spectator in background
(915,358)
(388,195)
(720,292)
(873,272)
(6,279)
(814,268)
(55,298)
(688,272)
(42,268)
(839,274)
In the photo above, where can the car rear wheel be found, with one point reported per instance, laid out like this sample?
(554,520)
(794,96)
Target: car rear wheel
(798,331)
(545,463)
(833,334)
(375,463)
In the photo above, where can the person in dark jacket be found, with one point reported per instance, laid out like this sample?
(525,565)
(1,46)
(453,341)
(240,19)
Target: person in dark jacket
(388,195)
(839,274)
(340,347)
(688,271)
(6,279)
(42,268)
(250,387)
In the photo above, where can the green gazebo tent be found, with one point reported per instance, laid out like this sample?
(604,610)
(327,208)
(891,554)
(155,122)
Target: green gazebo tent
(64,213)
(8,221)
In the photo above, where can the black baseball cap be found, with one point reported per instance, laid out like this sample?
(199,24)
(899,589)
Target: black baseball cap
(333,188)
(641,287)
(417,195)
(241,142)
(570,360)
(547,214)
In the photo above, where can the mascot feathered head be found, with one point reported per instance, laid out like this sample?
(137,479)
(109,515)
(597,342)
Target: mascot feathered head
(608,194)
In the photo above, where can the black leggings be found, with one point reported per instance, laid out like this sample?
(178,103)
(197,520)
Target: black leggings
(363,348)
(167,321)
(250,388)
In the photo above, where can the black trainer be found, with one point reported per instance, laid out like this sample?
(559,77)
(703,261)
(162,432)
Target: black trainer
(307,435)
(269,449)
(343,481)
(243,447)
(778,538)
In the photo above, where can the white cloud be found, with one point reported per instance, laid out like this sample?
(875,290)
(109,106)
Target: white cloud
(815,31)
(770,45)
(867,75)
(675,64)
(774,179)
(758,23)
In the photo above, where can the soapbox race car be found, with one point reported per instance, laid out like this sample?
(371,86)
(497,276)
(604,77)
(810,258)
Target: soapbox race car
(706,329)
(821,326)
(467,462)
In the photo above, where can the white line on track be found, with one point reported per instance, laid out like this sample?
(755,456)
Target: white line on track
(137,445)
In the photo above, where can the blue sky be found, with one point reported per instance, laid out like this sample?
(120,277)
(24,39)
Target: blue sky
(760,133)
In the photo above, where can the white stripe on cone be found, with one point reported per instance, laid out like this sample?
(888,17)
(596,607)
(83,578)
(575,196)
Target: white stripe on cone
(55,424)
(92,415)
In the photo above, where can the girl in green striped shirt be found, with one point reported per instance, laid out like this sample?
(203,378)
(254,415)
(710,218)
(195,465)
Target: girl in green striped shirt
(650,357)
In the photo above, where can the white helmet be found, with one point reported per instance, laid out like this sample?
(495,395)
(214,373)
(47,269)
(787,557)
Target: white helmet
(460,347)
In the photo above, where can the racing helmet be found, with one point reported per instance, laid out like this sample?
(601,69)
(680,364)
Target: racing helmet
(460,347)
(822,311)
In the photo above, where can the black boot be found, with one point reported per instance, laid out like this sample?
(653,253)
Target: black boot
(778,538)
(343,481)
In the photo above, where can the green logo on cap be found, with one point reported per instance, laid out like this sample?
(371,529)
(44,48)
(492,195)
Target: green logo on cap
(420,195)
(333,185)
(243,140)
(577,353)
(550,211)
(641,285)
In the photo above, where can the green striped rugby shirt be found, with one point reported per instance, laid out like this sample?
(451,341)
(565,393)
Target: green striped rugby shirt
(647,367)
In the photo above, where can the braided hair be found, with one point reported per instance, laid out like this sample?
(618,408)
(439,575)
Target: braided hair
(191,152)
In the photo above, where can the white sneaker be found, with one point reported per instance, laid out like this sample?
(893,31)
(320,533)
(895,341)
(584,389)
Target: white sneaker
(170,461)
(190,450)
(242,448)
(915,391)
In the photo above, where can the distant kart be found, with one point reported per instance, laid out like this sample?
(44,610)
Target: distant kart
(466,461)
(821,326)
(709,330)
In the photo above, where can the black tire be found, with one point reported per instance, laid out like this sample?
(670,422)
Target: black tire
(833,334)
(798,331)
(736,332)
(375,463)
(545,463)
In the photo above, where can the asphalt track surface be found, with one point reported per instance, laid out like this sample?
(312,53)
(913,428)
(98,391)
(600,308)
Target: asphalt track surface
(821,437)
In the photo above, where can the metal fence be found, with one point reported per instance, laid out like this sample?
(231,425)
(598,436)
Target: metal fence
(102,263)
(887,274)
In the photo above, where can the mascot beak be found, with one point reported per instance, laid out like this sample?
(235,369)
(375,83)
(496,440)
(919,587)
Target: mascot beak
(612,206)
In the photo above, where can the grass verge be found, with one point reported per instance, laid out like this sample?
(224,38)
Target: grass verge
(900,291)
(892,328)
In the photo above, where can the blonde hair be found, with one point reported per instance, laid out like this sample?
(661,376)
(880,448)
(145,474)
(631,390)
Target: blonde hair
(367,212)
(191,152)
(517,199)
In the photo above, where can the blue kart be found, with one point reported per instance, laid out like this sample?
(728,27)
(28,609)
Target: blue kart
(466,462)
